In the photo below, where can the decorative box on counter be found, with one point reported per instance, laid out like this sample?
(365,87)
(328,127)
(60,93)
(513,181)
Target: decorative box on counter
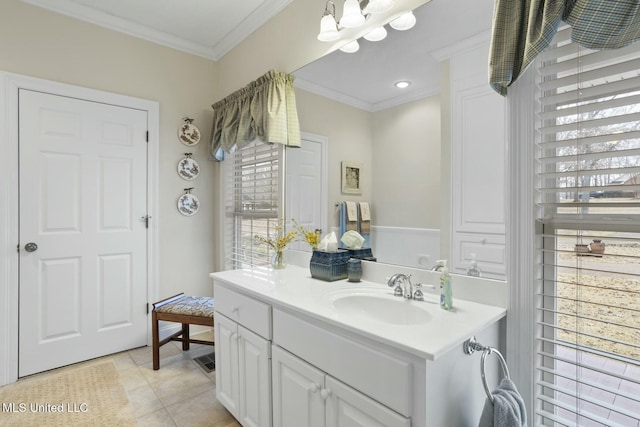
(363,254)
(329,266)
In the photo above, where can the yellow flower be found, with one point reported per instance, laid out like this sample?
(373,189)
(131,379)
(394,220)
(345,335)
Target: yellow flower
(281,240)
(311,237)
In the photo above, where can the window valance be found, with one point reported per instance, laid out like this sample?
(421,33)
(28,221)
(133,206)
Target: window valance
(265,109)
(524,28)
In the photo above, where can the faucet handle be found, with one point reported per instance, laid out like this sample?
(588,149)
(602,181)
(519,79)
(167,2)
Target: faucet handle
(398,292)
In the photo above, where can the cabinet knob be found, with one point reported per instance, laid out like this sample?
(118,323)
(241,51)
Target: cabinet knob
(234,335)
(325,393)
(235,309)
(314,387)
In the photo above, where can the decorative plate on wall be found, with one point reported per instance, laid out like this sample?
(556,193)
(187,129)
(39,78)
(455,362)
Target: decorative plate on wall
(188,168)
(188,133)
(188,204)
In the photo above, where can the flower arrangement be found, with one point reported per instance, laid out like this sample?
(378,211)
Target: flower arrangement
(278,243)
(309,236)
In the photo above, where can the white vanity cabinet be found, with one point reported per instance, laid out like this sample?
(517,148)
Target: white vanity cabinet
(243,356)
(285,358)
(305,396)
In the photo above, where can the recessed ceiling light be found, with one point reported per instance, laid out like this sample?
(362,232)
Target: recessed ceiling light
(402,84)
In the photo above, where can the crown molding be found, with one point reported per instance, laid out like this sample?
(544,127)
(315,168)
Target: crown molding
(463,46)
(358,103)
(332,94)
(251,23)
(257,18)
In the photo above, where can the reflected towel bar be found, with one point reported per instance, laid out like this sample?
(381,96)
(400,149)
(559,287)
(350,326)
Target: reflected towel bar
(470,346)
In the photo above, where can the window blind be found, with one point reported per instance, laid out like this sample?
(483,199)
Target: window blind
(588,305)
(253,185)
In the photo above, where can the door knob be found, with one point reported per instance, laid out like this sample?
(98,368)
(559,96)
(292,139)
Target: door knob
(30,247)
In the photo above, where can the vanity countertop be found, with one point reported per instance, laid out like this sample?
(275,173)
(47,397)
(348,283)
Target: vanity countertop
(294,289)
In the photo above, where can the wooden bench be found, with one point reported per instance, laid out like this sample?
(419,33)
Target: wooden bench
(182,309)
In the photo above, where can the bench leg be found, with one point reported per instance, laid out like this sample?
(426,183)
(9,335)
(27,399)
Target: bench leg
(185,336)
(155,339)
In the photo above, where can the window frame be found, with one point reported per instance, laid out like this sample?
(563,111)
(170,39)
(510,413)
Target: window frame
(524,231)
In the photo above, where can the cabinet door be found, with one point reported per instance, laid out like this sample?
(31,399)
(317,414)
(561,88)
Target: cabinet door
(254,374)
(226,349)
(347,407)
(296,391)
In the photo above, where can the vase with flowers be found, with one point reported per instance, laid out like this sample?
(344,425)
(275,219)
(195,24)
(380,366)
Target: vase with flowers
(278,243)
(312,237)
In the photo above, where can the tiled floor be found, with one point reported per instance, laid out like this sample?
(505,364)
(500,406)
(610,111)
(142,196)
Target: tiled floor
(180,393)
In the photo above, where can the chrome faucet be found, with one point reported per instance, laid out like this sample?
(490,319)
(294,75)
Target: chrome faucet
(438,266)
(408,290)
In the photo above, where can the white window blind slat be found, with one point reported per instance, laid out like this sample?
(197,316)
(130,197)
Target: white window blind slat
(624,101)
(252,202)
(588,306)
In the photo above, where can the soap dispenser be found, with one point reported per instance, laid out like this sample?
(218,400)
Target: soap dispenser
(474,270)
(446,295)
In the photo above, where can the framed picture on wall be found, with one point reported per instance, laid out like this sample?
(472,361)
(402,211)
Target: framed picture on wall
(351,176)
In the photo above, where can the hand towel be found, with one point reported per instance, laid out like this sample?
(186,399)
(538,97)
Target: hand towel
(365,218)
(507,409)
(352,216)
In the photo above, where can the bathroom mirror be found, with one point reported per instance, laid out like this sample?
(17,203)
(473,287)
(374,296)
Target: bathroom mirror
(351,99)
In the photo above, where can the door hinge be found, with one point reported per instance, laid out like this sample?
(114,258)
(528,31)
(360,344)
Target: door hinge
(18,248)
(147,136)
(147,308)
(146,219)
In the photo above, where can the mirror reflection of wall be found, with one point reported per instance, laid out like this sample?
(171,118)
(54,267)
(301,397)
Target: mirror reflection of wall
(402,136)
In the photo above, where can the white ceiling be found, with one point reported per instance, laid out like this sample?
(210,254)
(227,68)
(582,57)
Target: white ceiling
(365,79)
(211,28)
(208,28)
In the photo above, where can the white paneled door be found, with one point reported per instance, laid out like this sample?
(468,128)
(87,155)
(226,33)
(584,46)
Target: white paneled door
(305,186)
(83,278)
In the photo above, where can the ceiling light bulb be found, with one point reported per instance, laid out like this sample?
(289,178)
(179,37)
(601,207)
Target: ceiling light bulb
(328,29)
(404,22)
(402,84)
(378,6)
(376,34)
(351,47)
(351,14)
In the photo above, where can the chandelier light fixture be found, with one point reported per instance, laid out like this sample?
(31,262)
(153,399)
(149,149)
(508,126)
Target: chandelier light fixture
(404,22)
(351,47)
(354,14)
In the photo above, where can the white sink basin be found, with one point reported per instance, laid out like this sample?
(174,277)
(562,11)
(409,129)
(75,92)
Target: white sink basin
(382,307)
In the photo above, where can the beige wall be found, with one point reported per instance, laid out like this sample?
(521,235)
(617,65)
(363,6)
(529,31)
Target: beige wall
(39,43)
(400,150)
(350,135)
(406,165)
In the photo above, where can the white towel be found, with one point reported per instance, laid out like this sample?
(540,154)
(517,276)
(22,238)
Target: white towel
(507,409)
(351,217)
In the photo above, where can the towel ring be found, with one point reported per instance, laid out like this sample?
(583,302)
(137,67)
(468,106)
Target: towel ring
(503,365)
(470,346)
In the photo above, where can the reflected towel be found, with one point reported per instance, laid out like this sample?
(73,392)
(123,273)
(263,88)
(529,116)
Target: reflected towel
(365,218)
(351,216)
(507,409)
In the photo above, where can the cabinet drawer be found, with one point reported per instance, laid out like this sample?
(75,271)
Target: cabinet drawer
(379,375)
(248,312)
